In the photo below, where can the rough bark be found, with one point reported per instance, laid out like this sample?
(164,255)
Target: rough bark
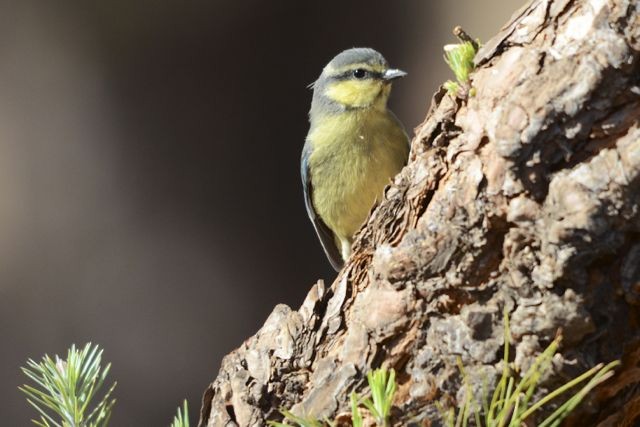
(524,197)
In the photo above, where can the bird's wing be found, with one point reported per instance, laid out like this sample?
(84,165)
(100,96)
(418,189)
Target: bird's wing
(324,233)
(401,126)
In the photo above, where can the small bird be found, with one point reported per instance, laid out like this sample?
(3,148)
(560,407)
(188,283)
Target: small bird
(354,147)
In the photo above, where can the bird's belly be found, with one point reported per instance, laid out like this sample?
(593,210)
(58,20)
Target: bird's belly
(353,176)
(344,205)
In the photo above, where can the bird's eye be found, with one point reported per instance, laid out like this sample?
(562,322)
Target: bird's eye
(359,73)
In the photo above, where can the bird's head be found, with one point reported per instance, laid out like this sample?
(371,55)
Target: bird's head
(356,78)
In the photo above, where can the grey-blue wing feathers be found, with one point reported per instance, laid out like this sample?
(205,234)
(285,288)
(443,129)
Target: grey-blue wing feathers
(327,238)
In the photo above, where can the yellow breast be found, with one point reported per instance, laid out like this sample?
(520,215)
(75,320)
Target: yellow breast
(354,155)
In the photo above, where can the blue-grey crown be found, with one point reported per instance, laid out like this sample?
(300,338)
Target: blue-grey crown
(358,55)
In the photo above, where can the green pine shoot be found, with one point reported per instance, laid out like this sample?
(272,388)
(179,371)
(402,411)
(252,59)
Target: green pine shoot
(356,416)
(64,389)
(182,417)
(459,57)
(511,402)
(383,390)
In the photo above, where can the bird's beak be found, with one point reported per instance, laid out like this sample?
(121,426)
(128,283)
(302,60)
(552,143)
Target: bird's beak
(392,74)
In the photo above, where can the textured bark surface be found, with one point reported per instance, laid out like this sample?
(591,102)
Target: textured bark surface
(524,197)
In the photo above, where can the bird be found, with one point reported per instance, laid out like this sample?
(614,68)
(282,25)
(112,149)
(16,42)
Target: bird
(354,147)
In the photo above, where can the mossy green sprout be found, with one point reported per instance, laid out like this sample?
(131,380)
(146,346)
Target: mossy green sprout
(65,389)
(459,57)
(511,404)
(182,417)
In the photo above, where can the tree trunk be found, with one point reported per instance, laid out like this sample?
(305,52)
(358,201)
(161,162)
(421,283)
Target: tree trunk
(522,197)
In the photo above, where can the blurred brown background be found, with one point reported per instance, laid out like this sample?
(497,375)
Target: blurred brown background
(150,198)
